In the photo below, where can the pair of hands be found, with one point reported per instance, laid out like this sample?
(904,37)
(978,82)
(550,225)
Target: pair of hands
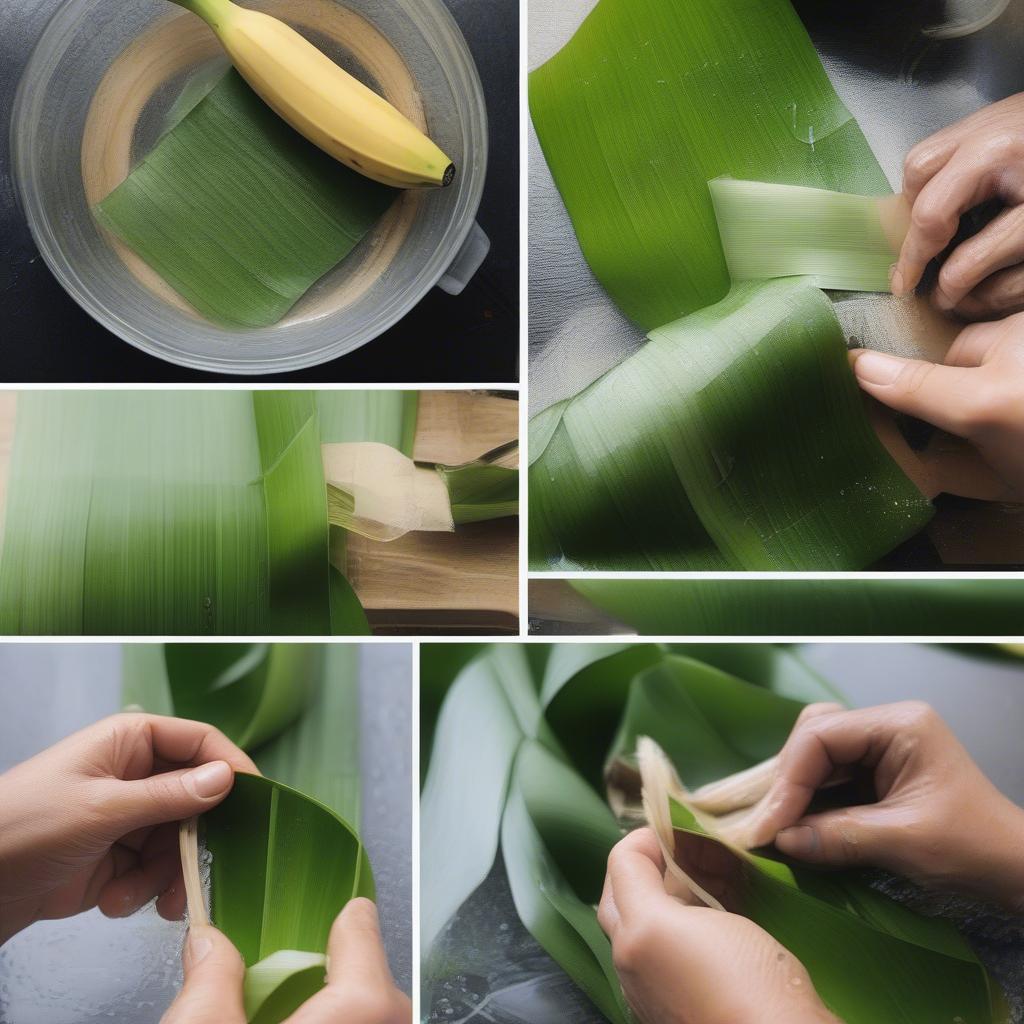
(93,822)
(937,820)
(978,392)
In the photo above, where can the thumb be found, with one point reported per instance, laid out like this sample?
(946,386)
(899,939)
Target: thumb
(168,796)
(837,838)
(945,396)
(214,972)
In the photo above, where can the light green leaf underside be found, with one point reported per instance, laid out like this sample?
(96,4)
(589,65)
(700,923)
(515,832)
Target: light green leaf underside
(834,239)
(812,607)
(238,212)
(736,438)
(649,101)
(180,512)
(521,744)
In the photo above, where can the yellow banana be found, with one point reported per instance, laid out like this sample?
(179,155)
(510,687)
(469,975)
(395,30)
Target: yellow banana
(322,101)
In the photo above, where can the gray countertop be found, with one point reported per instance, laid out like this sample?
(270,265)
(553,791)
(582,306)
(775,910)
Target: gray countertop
(89,969)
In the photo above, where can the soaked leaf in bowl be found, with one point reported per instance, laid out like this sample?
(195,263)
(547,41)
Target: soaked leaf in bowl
(238,212)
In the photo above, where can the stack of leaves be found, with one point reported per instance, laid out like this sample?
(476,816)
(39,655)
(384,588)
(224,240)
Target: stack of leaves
(523,741)
(285,858)
(647,104)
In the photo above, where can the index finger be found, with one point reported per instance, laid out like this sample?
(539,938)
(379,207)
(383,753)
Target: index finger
(816,750)
(966,180)
(636,873)
(180,741)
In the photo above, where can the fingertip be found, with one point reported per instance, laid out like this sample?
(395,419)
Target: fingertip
(877,368)
(210,781)
(800,841)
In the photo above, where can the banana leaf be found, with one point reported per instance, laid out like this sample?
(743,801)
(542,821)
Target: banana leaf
(522,744)
(870,959)
(802,607)
(736,438)
(649,101)
(295,708)
(487,488)
(184,512)
(689,458)
(833,239)
(283,866)
(238,212)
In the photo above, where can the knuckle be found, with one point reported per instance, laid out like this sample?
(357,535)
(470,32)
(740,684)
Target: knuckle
(919,714)
(914,376)
(959,273)
(929,218)
(633,947)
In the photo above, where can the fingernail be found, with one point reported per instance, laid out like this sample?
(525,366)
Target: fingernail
(208,779)
(800,841)
(896,279)
(877,368)
(198,948)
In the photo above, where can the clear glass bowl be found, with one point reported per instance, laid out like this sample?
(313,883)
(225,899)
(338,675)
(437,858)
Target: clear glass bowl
(75,52)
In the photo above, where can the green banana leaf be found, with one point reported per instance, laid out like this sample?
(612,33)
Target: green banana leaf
(870,959)
(180,512)
(480,492)
(285,860)
(283,866)
(802,607)
(736,438)
(649,101)
(523,740)
(238,212)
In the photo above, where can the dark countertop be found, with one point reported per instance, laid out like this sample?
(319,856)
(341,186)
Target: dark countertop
(472,338)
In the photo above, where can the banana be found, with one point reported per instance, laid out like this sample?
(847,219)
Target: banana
(321,101)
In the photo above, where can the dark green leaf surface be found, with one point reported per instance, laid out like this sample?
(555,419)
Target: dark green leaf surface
(736,438)
(283,866)
(870,960)
(649,101)
(238,212)
(801,607)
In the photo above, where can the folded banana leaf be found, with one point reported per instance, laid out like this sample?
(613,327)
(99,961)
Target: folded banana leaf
(238,212)
(736,438)
(524,739)
(284,858)
(487,488)
(283,866)
(649,101)
(179,512)
(802,607)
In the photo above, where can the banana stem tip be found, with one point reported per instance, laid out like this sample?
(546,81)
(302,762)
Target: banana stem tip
(449,176)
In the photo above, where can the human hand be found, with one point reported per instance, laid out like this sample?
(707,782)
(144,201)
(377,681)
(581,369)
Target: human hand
(682,964)
(937,820)
(974,160)
(92,821)
(359,989)
(977,394)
